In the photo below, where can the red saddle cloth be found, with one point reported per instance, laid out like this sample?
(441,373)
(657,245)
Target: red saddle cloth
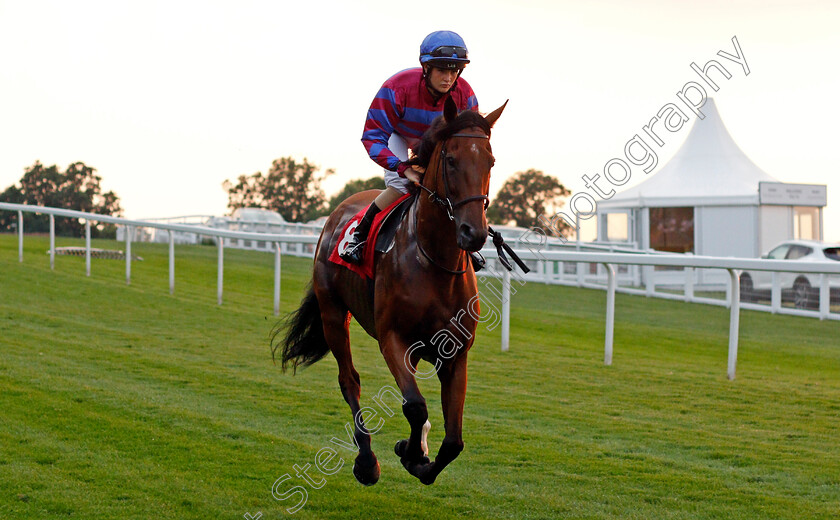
(365,269)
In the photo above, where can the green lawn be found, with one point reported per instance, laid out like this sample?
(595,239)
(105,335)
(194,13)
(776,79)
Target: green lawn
(121,401)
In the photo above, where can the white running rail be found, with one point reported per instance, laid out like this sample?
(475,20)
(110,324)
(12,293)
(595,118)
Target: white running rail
(131,225)
(609,260)
(732,265)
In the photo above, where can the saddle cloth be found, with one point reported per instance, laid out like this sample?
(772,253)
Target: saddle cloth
(381,236)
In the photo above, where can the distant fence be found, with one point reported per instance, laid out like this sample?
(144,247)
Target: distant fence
(551,266)
(609,261)
(231,224)
(130,225)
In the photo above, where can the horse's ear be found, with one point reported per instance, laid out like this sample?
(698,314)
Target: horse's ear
(494,115)
(450,109)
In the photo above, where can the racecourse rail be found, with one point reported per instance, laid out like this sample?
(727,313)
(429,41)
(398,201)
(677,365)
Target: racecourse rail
(607,259)
(130,225)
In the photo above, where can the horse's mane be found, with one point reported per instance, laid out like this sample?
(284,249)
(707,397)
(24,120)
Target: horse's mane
(440,130)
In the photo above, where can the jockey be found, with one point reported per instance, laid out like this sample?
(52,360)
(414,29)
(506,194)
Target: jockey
(401,112)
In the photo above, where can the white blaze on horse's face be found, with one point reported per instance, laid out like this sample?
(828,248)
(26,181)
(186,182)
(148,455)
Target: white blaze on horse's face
(471,160)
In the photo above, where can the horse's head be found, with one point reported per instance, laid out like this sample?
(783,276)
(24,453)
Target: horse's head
(459,159)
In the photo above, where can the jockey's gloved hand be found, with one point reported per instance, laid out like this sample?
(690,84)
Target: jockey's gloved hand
(414,173)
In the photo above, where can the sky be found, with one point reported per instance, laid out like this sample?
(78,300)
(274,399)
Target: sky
(168,99)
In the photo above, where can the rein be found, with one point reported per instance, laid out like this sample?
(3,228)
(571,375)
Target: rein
(429,258)
(446,202)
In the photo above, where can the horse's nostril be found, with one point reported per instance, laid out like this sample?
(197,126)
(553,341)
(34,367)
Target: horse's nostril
(466,232)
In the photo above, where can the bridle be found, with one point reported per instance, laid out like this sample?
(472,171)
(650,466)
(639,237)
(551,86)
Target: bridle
(446,201)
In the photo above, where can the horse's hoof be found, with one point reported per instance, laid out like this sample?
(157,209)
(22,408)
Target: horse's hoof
(401,449)
(367,474)
(423,470)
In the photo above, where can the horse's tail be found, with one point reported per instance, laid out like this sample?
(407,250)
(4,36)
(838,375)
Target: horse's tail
(304,343)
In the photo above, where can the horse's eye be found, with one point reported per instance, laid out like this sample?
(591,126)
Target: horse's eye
(450,161)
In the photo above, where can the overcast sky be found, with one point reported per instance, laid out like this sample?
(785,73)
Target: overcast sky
(167,99)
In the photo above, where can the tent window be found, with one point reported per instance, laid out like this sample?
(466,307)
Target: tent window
(672,229)
(806,222)
(617,227)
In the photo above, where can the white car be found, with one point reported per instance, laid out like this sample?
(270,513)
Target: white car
(800,288)
(258,216)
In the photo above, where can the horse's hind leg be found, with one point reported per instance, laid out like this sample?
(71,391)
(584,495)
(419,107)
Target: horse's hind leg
(336,332)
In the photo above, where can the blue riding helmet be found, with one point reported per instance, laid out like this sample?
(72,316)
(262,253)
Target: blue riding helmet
(445,50)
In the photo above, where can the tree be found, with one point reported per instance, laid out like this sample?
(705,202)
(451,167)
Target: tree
(527,195)
(77,188)
(290,188)
(355,186)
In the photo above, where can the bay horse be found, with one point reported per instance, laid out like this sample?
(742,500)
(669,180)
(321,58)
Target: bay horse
(422,286)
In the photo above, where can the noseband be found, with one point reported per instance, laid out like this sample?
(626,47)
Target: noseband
(446,201)
(447,204)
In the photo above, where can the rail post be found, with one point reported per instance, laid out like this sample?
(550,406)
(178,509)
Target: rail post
(734,314)
(689,284)
(610,320)
(128,231)
(776,293)
(277,278)
(171,262)
(825,295)
(505,310)
(52,241)
(87,247)
(220,275)
(20,236)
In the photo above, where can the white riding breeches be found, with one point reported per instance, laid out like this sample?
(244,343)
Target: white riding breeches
(398,147)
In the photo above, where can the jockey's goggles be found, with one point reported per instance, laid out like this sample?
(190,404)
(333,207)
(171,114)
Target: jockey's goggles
(449,51)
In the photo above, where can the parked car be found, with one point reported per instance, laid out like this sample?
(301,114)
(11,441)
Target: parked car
(258,215)
(800,288)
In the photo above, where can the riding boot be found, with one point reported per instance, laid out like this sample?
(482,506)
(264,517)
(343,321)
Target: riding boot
(478,261)
(355,251)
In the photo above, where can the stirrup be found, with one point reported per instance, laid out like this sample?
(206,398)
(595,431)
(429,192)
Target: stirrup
(354,253)
(478,261)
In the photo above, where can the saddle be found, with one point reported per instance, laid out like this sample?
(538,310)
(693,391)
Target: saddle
(381,236)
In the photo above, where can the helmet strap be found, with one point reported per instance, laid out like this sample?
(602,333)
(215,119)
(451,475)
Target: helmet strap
(435,94)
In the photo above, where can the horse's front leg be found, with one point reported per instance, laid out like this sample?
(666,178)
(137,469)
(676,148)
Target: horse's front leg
(453,391)
(411,450)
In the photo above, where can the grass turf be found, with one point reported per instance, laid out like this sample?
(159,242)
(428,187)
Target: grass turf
(121,401)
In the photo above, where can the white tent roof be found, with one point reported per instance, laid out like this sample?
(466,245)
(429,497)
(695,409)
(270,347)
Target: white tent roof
(708,170)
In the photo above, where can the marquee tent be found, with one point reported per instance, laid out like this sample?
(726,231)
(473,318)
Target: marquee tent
(711,199)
